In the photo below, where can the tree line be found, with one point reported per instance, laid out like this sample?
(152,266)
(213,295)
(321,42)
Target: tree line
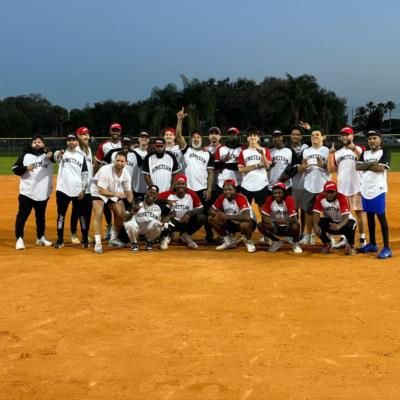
(274,103)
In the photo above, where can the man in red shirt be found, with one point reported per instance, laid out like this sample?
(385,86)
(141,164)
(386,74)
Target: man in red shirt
(279,218)
(331,214)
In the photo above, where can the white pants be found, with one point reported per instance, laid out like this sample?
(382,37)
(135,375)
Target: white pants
(151,230)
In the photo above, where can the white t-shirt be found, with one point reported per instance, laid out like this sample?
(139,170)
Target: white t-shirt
(37,184)
(160,169)
(228,156)
(314,176)
(349,180)
(130,161)
(69,178)
(374,183)
(257,179)
(182,205)
(196,164)
(106,178)
(280,158)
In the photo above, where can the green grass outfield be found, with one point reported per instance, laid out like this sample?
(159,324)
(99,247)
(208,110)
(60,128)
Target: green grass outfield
(7,162)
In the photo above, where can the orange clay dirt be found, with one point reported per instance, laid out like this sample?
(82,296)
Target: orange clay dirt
(196,324)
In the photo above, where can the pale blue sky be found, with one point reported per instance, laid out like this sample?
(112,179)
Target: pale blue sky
(77,52)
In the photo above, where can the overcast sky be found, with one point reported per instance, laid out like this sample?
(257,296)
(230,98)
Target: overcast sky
(83,51)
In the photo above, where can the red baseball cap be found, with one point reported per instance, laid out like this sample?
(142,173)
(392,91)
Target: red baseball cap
(180,177)
(172,130)
(233,131)
(279,185)
(82,131)
(115,125)
(230,182)
(347,131)
(330,186)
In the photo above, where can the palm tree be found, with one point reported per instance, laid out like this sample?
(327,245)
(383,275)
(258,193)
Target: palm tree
(370,106)
(360,118)
(390,106)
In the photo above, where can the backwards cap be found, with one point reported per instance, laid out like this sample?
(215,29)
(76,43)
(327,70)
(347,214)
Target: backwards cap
(230,182)
(279,185)
(180,177)
(330,186)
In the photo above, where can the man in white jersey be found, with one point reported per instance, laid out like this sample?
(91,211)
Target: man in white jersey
(127,149)
(171,146)
(343,161)
(314,161)
(146,219)
(253,164)
(139,185)
(331,215)
(72,181)
(279,218)
(188,210)
(110,186)
(198,166)
(226,159)
(375,162)
(85,204)
(232,213)
(35,168)
(160,166)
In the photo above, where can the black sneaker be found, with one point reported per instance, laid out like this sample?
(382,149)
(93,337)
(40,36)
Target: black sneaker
(149,245)
(134,247)
(85,245)
(59,244)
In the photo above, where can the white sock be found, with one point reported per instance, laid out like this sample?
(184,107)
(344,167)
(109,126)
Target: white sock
(97,239)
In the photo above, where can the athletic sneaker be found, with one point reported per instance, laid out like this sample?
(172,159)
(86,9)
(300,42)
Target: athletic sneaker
(308,239)
(107,235)
(134,247)
(59,244)
(85,244)
(369,248)
(164,243)
(385,253)
(185,237)
(75,239)
(341,244)
(43,242)
(20,245)
(98,248)
(228,243)
(288,239)
(265,240)
(250,246)
(116,243)
(350,250)
(363,242)
(296,248)
(275,246)
(326,249)
(149,245)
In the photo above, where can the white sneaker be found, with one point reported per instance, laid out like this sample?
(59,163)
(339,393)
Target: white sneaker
(185,237)
(75,239)
(288,239)
(296,248)
(275,246)
(341,244)
(98,248)
(308,239)
(229,243)
(250,246)
(20,245)
(312,238)
(164,243)
(43,242)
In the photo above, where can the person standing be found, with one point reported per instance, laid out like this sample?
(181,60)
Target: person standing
(375,162)
(139,185)
(35,168)
(72,181)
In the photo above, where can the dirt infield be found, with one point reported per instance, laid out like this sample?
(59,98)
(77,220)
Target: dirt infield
(199,324)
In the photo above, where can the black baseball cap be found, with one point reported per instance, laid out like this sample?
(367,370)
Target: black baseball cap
(277,132)
(373,132)
(71,136)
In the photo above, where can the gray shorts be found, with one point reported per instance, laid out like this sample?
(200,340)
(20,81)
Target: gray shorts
(307,200)
(298,196)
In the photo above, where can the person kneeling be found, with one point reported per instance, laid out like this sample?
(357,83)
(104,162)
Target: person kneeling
(336,218)
(232,213)
(279,218)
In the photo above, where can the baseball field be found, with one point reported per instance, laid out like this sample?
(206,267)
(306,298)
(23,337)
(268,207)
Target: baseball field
(196,324)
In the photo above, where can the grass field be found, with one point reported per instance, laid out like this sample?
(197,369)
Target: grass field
(7,162)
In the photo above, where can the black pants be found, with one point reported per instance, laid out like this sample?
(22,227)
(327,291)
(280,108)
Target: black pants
(86,206)
(25,207)
(63,201)
(207,205)
(194,224)
(348,230)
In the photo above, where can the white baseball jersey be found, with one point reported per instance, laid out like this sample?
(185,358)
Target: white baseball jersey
(147,213)
(374,183)
(104,148)
(35,184)
(69,178)
(314,176)
(138,183)
(212,150)
(256,179)
(89,165)
(182,205)
(335,210)
(280,213)
(349,180)
(106,178)
(298,179)
(280,158)
(160,169)
(177,152)
(230,157)
(235,206)
(196,163)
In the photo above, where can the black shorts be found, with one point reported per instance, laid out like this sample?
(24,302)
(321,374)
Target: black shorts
(233,227)
(280,230)
(259,196)
(108,202)
(307,201)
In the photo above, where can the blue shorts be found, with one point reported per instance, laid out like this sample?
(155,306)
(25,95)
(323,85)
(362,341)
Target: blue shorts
(376,205)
